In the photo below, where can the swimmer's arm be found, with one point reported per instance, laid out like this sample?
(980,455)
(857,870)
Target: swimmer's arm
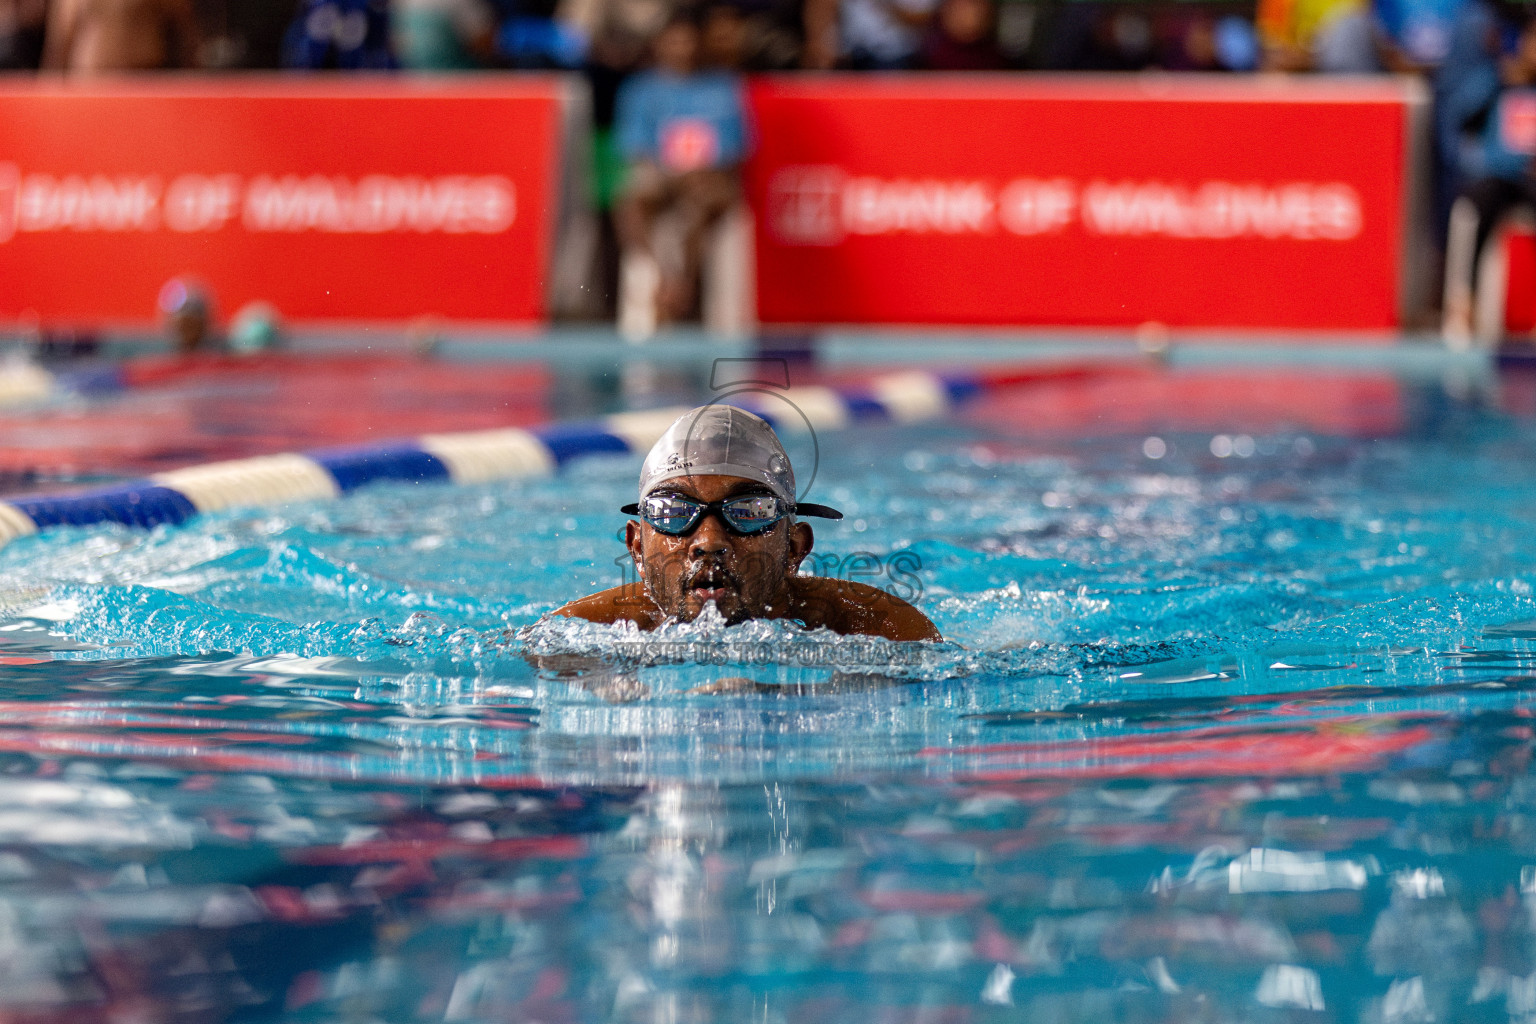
(905,623)
(624,603)
(849,607)
(592,675)
(845,607)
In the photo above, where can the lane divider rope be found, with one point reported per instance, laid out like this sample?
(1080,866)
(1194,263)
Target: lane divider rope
(24,384)
(263,480)
(172,498)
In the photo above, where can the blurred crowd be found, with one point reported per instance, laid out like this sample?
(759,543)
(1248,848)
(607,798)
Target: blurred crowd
(669,122)
(610,38)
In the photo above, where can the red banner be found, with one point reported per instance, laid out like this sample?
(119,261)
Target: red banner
(1194,202)
(333,199)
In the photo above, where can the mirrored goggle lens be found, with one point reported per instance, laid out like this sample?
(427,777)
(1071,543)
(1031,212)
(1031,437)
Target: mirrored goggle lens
(673,515)
(669,515)
(749,515)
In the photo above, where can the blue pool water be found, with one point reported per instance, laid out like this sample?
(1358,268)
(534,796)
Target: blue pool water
(1233,723)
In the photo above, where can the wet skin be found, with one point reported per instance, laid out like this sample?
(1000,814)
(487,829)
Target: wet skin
(750,576)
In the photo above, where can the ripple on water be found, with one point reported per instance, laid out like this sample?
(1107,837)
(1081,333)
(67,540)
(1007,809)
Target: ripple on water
(1235,733)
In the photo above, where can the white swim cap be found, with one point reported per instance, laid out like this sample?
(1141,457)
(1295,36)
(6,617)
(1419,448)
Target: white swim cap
(722,440)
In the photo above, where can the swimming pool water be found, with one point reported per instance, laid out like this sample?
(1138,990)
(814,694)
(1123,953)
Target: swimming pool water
(1233,722)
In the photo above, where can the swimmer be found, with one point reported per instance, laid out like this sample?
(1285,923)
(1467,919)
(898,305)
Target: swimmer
(717,525)
(188,315)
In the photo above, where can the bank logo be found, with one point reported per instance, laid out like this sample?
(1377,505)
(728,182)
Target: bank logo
(805,205)
(10,187)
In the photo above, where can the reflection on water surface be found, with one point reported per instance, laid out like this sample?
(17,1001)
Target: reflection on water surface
(1235,726)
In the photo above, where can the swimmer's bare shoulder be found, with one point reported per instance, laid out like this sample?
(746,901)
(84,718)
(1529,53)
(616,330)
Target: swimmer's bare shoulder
(842,606)
(624,603)
(846,606)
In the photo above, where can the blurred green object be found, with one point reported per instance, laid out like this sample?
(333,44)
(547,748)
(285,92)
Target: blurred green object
(257,327)
(608,169)
(428,40)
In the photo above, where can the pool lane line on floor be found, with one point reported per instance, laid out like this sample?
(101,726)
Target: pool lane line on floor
(174,497)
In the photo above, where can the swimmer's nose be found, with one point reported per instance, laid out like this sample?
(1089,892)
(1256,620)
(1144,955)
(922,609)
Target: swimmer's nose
(710,535)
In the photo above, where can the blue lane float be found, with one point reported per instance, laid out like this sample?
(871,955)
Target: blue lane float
(473,457)
(139,504)
(353,467)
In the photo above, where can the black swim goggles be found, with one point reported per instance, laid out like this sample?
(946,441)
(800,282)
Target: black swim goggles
(676,515)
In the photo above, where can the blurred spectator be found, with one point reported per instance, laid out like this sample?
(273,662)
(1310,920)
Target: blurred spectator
(963,37)
(442,35)
(722,38)
(1125,39)
(87,36)
(683,134)
(242,33)
(1332,36)
(1506,180)
(620,30)
(776,34)
(1237,44)
(1098,37)
(21,34)
(544,34)
(822,36)
(618,34)
(1415,35)
(1466,84)
(345,35)
(872,35)
(1017,35)
(1201,41)
(1187,43)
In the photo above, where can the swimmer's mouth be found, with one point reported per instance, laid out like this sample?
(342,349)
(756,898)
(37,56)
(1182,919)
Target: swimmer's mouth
(712,585)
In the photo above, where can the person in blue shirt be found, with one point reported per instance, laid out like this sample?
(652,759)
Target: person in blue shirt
(682,133)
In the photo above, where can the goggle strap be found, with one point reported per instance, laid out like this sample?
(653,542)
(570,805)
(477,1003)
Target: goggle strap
(806,508)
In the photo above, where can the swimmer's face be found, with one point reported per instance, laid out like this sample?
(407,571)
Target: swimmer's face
(746,576)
